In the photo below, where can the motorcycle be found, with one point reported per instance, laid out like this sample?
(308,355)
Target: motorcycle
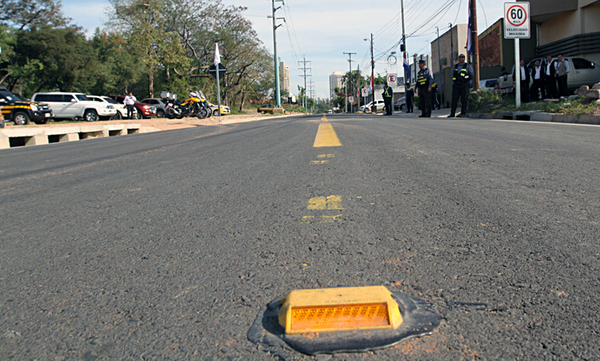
(195,106)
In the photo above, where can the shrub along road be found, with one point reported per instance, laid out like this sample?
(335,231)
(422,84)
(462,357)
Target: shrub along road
(166,245)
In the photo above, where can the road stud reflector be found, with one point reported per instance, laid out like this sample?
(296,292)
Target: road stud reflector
(339,309)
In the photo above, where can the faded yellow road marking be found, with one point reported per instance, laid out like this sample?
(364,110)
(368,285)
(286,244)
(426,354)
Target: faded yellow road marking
(326,137)
(322,219)
(319,161)
(326,156)
(323,203)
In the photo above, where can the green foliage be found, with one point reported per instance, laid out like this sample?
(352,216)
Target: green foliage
(488,102)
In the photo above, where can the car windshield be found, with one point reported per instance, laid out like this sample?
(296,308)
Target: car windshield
(110,100)
(11,97)
(81,97)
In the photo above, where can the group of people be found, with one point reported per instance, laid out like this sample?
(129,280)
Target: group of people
(545,78)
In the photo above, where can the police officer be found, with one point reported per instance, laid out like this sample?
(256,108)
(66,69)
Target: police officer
(388,94)
(462,75)
(410,96)
(424,82)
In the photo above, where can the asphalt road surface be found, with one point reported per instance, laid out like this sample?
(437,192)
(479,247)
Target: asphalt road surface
(165,246)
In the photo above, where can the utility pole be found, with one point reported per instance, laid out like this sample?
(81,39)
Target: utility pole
(440,61)
(276,58)
(311,85)
(403,47)
(475,40)
(358,86)
(451,45)
(350,68)
(304,68)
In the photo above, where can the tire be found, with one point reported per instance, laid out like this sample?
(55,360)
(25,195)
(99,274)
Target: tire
(170,113)
(139,115)
(402,106)
(90,116)
(21,118)
(215,112)
(160,113)
(202,113)
(263,112)
(117,116)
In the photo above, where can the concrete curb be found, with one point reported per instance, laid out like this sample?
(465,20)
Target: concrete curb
(538,116)
(44,135)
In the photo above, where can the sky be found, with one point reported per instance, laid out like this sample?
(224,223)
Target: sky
(321,31)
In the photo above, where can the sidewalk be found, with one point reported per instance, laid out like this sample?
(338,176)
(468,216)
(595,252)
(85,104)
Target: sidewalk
(442,113)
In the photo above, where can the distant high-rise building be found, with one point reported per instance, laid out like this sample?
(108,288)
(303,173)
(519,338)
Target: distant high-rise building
(335,81)
(285,77)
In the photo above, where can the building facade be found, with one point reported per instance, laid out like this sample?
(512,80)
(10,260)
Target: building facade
(335,81)
(285,77)
(570,27)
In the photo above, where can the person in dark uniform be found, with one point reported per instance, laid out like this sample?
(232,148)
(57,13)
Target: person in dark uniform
(424,82)
(550,78)
(537,75)
(435,102)
(388,95)
(462,75)
(525,77)
(410,98)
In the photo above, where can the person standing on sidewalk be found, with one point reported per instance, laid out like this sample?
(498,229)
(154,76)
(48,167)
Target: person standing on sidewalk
(129,101)
(388,95)
(435,102)
(537,75)
(550,78)
(562,72)
(410,98)
(424,82)
(462,75)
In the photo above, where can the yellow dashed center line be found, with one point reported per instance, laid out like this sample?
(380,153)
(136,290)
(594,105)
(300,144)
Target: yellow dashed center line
(326,137)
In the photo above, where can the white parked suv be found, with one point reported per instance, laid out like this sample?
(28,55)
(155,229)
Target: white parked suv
(75,106)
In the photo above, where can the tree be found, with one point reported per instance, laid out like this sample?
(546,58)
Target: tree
(202,23)
(143,25)
(117,67)
(50,58)
(32,14)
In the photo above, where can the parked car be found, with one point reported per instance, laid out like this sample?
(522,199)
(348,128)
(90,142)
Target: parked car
(76,106)
(161,106)
(267,108)
(121,108)
(22,111)
(379,104)
(488,85)
(400,104)
(215,109)
(143,110)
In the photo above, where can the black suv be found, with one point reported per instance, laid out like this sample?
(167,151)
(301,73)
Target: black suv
(23,111)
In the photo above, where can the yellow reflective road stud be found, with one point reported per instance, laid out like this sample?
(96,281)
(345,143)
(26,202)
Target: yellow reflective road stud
(339,309)
(326,137)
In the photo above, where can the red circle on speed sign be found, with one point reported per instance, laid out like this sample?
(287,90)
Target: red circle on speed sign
(392,78)
(516,15)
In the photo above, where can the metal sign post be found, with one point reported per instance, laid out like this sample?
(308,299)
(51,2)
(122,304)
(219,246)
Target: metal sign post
(517,25)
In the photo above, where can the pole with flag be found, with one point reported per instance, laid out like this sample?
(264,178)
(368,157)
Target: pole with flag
(406,69)
(217,64)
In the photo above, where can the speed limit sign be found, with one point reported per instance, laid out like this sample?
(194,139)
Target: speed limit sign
(517,24)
